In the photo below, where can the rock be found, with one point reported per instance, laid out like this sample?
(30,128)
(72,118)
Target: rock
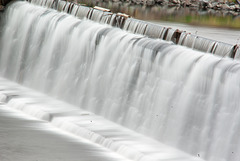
(203,4)
(237,6)
(210,5)
(219,6)
(1,8)
(170,4)
(137,1)
(225,7)
(150,2)
(220,1)
(176,1)
(164,3)
(159,1)
(238,2)
(214,3)
(216,6)
(193,5)
(186,3)
(232,7)
(4,2)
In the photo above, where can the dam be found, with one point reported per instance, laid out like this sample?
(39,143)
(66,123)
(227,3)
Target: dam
(85,84)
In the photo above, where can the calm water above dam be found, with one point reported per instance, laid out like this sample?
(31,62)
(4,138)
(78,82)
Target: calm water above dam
(229,36)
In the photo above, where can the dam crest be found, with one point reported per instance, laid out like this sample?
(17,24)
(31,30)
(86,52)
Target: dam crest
(141,96)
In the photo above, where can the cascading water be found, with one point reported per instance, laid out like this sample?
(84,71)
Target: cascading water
(180,97)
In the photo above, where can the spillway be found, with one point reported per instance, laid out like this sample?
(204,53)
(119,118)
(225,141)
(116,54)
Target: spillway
(141,98)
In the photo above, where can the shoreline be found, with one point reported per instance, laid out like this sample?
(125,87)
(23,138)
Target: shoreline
(179,14)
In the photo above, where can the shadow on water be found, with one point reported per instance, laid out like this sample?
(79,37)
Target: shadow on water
(175,13)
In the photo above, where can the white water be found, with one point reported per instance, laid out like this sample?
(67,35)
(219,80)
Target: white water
(115,141)
(24,138)
(180,97)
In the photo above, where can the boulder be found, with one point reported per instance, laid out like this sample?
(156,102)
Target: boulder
(185,3)
(232,7)
(237,7)
(238,1)
(160,1)
(216,5)
(225,6)
(150,2)
(1,7)
(176,1)
(194,5)
(210,5)
(221,1)
(204,4)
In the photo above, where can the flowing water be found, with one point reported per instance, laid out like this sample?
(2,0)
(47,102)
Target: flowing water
(177,96)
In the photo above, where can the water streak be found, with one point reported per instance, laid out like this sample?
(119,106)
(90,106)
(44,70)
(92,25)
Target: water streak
(183,98)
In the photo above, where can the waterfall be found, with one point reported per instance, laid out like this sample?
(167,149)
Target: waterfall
(151,30)
(180,97)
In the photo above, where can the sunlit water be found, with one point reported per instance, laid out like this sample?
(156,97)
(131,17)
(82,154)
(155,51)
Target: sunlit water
(177,96)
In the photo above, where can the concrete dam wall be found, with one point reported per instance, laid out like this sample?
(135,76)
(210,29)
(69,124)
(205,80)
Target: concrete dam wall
(145,99)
